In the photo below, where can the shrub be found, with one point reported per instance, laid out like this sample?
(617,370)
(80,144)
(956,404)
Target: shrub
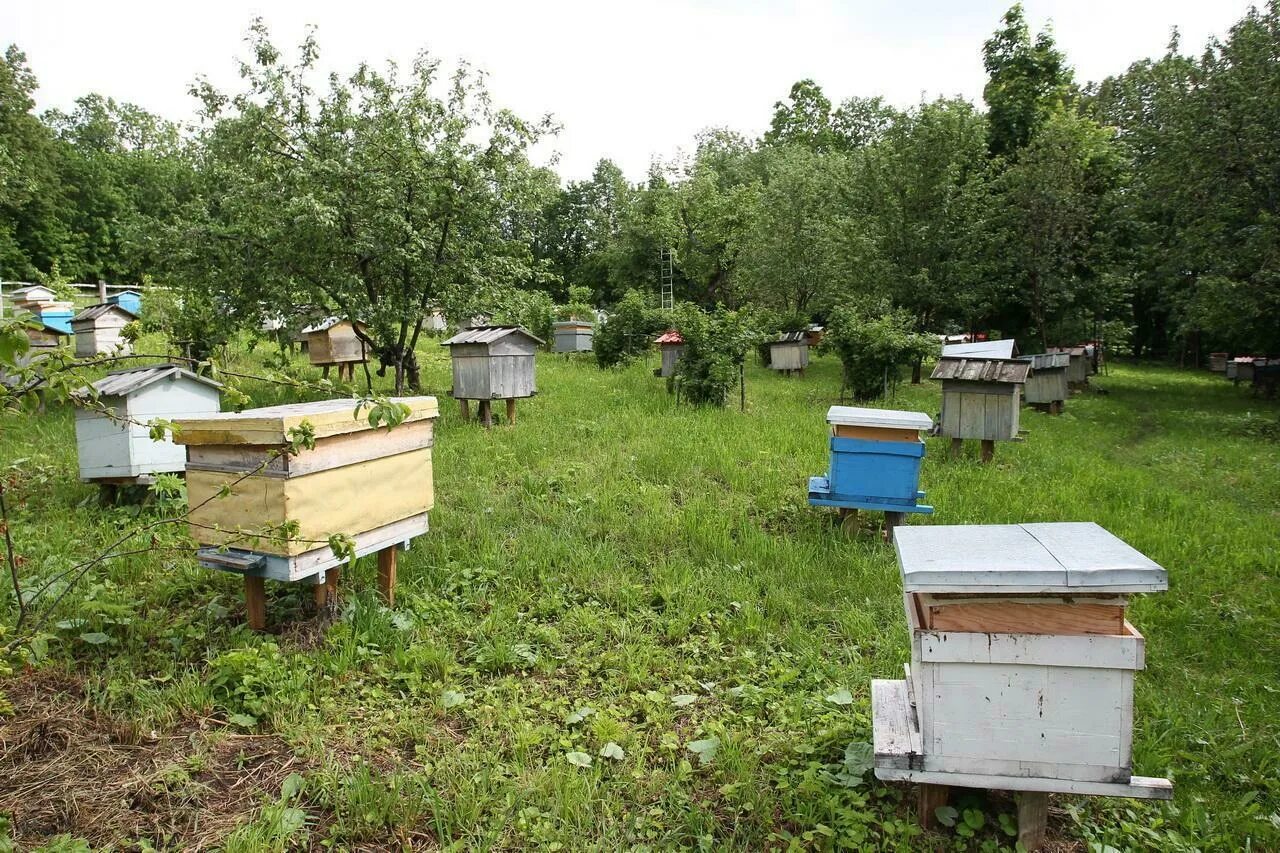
(531,309)
(629,331)
(715,346)
(872,343)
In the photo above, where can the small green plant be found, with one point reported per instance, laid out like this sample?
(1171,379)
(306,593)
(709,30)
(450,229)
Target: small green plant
(629,331)
(873,343)
(715,348)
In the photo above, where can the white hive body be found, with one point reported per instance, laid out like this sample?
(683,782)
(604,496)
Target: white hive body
(1022,660)
(119,446)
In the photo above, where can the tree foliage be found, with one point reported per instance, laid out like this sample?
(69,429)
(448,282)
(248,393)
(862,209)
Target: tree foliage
(873,343)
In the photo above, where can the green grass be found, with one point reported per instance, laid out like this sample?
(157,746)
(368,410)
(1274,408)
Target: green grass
(660,566)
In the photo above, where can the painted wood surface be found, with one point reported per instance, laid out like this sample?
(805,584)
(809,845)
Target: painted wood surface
(110,449)
(315,563)
(573,337)
(389,489)
(102,335)
(330,452)
(670,355)
(338,344)
(875,433)
(270,426)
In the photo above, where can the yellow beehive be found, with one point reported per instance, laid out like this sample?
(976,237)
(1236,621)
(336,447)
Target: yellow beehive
(374,485)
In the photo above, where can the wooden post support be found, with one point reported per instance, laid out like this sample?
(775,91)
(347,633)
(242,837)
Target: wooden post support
(1055,408)
(465,405)
(331,586)
(320,591)
(324,371)
(957,445)
(892,520)
(255,602)
(511,411)
(932,798)
(1033,818)
(988,450)
(387,574)
(486,414)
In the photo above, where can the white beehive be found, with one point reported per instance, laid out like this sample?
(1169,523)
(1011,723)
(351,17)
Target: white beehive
(1022,661)
(119,447)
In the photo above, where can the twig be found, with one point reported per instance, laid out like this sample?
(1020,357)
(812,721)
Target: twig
(9,557)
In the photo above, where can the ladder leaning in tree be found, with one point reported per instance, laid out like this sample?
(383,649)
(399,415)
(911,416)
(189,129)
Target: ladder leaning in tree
(666,279)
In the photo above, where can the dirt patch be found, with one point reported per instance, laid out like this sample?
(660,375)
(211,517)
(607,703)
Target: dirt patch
(67,769)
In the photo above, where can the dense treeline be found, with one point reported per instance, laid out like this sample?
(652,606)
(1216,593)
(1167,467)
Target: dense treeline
(1143,207)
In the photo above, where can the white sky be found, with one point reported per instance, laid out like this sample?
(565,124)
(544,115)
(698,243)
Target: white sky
(627,81)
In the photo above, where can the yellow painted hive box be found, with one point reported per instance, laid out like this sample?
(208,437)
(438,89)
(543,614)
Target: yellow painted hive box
(243,489)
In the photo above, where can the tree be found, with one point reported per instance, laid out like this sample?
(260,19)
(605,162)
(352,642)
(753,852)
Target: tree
(1026,81)
(377,198)
(873,342)
(804,119)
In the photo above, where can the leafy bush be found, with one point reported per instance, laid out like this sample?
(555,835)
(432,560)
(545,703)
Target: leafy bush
(532,309)
(873,342)
(628,332)
(191,317)
(715,346)
(578,307)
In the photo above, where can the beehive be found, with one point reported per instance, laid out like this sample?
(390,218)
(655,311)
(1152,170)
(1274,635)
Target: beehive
(980,399)
(118,447)
(980,349)
(875,462)
(98,330)
(789,352)
(1046,385)
(335,342)
(1022,661)
(671,346)
(363,482)
(573,336)
(1078,367)
(1243,368)
(1218,362)
(129,300)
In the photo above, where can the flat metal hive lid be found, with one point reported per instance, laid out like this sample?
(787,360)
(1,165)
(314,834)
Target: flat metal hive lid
(1057,557)
(980,349)
(883,418)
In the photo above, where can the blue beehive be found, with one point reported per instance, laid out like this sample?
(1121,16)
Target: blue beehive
(129,300)
(875,462)
(60,320)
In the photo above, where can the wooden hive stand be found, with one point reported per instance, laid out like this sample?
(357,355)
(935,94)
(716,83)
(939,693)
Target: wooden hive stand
(1022,667)
(372,485)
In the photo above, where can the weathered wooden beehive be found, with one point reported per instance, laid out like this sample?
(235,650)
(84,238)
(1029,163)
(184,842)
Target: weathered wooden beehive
(1078,368)
(98,330)
(334,342)
(814,334)
(113,436)
(129,300)
(1046,387)
(1218,362)
(790,352)
(43,303)
(1022,665)
(372,485)
(493,363)
(671,346)
(980,400)
(1241,368)
(46,336)
(875,464)
(573,336)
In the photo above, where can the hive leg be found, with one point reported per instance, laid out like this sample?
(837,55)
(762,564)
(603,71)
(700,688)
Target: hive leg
(932,798)
(511,411)
(324,372)
(892,520)
(988,450)
(387,575)
(486,414)
(1033,818)
(957,445)
(255,602)
(849,520)
(320,591)
(1055,408)
(466,409)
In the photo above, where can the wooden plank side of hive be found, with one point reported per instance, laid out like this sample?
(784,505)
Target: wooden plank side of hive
(330,452)
(272,428)
(255,503)
(361,497)
(1024,618)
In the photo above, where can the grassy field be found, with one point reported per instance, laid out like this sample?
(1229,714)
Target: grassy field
(627,628)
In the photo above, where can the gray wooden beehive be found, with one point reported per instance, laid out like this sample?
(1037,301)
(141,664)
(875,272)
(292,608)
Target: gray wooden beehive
(98,330)
(980,397)
(789,352)
(573,336)
(671,343)
(1047,383)
(493,363)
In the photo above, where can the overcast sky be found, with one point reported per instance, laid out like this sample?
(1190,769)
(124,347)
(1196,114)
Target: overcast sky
(627,81)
